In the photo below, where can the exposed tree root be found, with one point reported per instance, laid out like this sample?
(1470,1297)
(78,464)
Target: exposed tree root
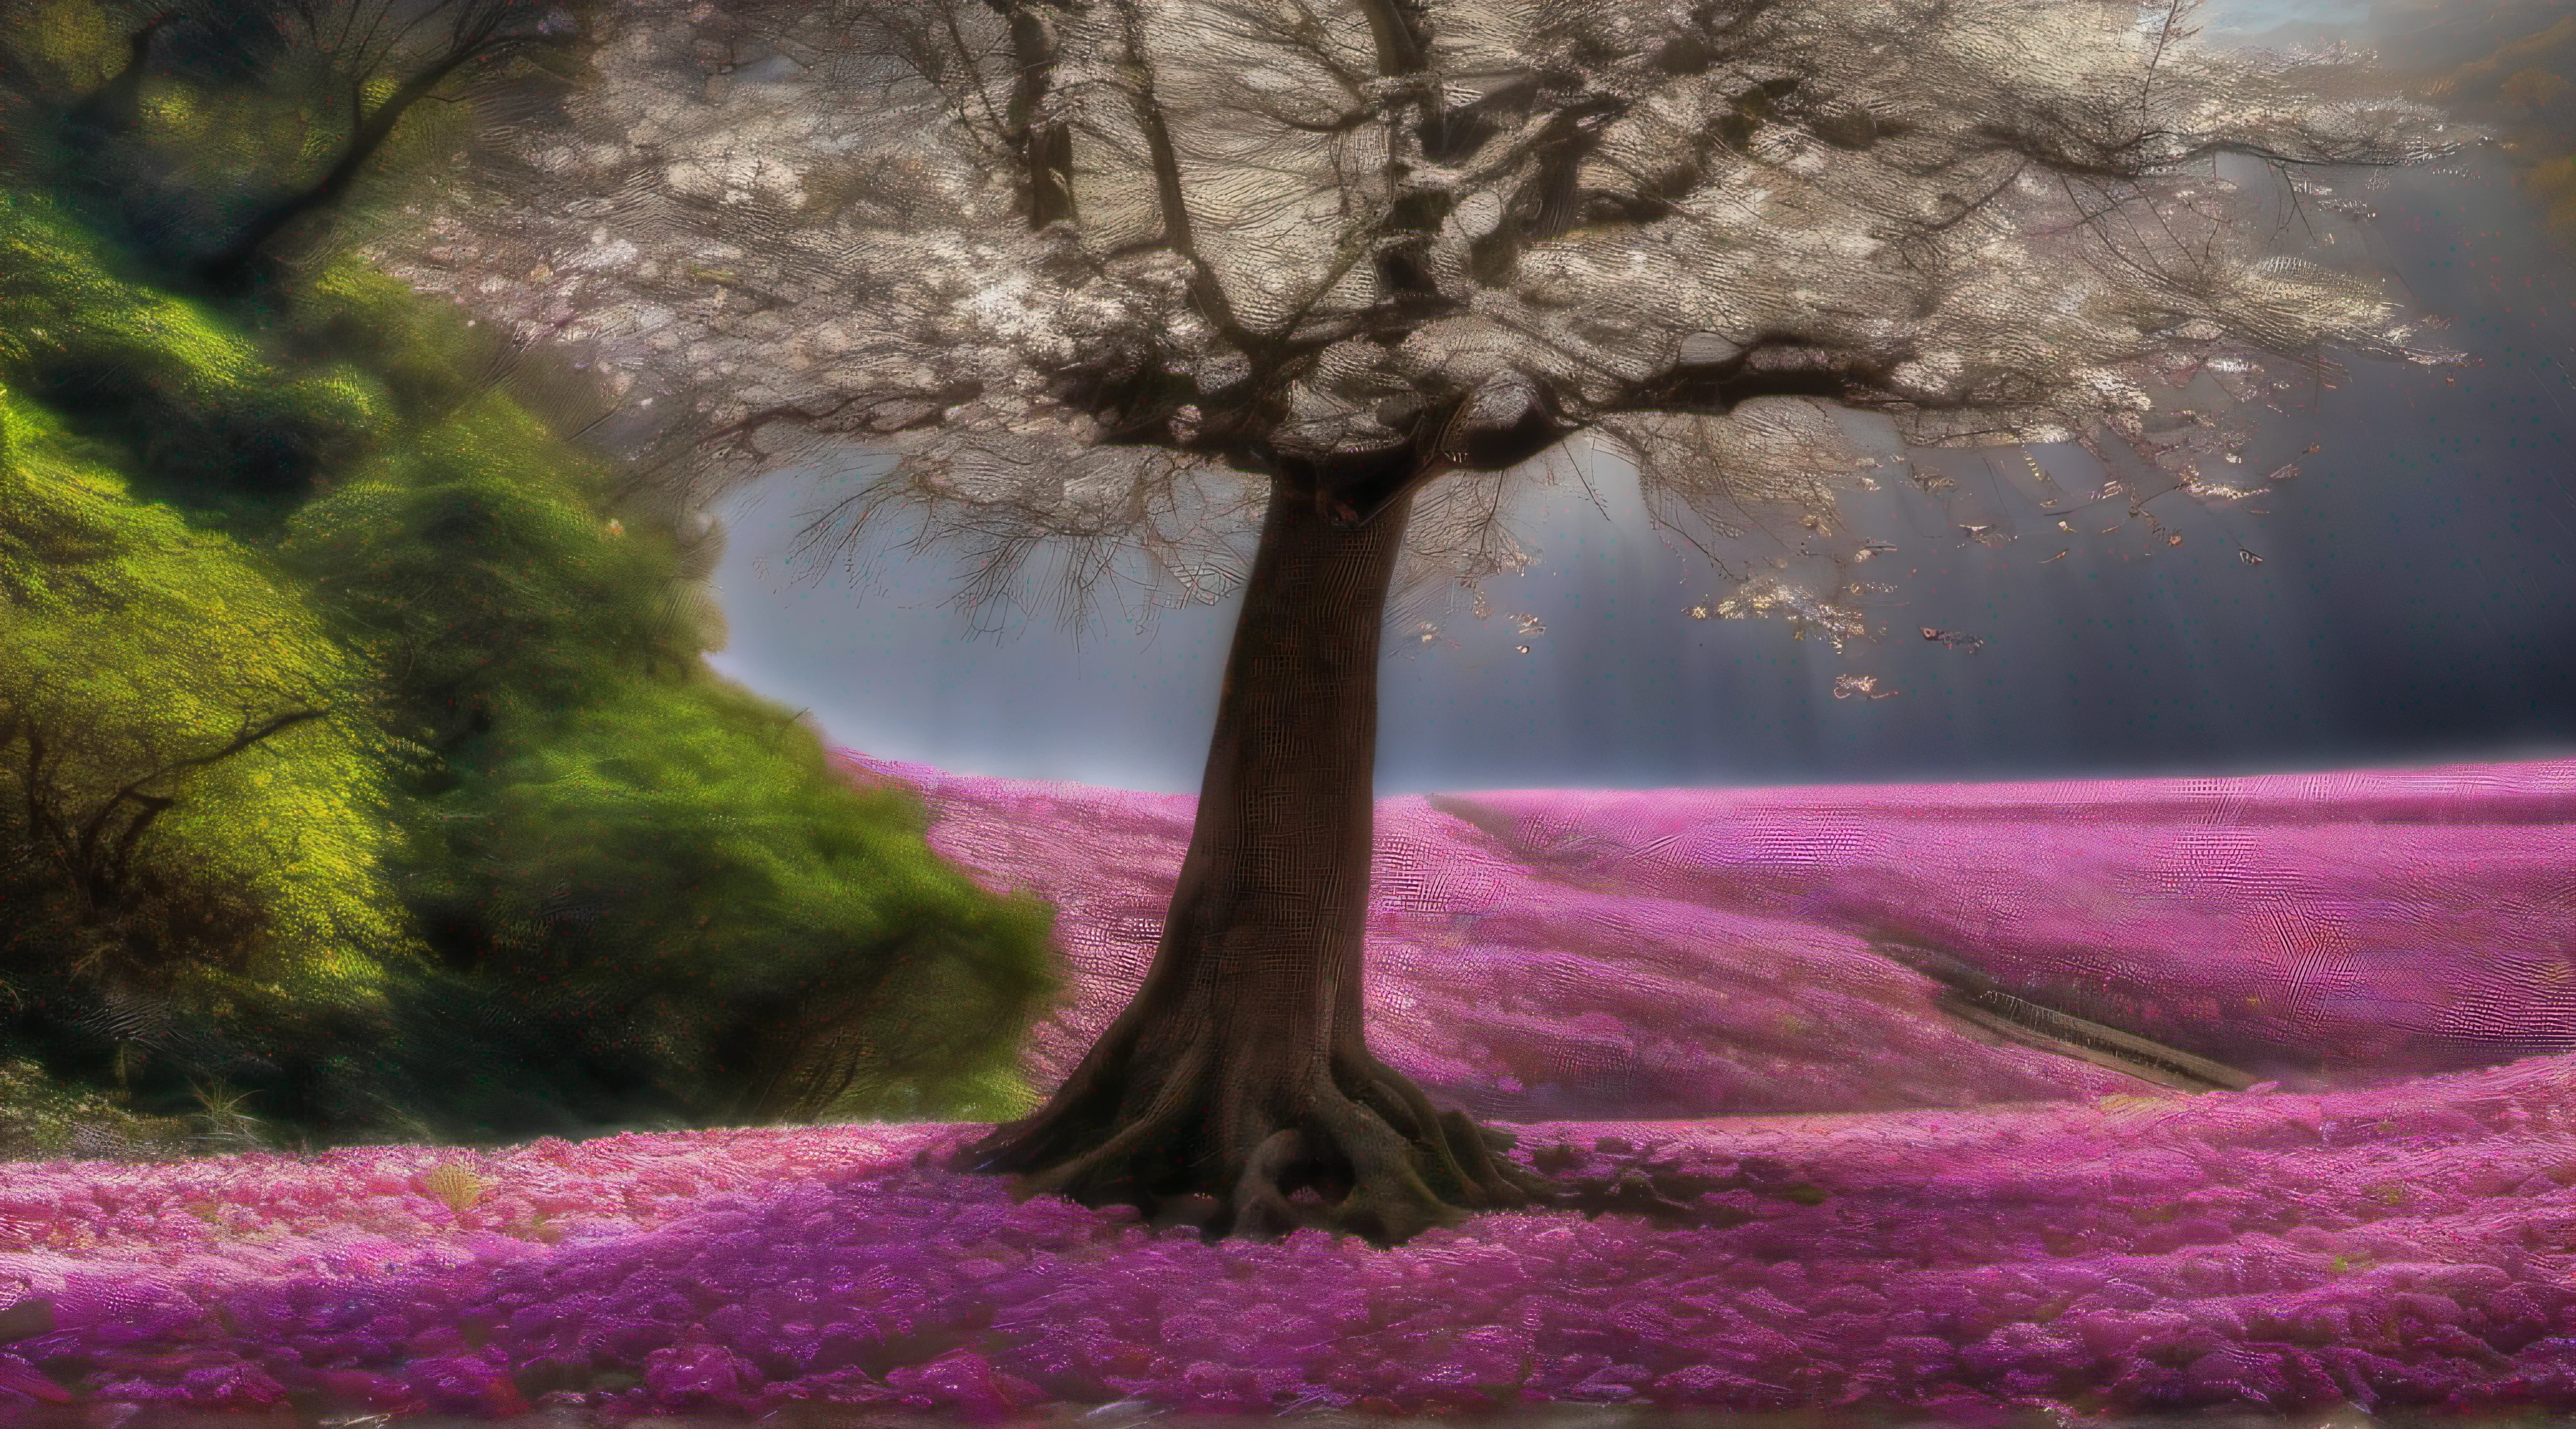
(1216,1143)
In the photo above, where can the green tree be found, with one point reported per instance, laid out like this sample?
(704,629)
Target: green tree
(192,810)
(263,554)
(660,866)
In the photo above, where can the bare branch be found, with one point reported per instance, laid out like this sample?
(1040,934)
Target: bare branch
(434,43)
(104,875)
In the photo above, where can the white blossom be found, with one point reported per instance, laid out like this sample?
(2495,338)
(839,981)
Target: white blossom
(1679,226)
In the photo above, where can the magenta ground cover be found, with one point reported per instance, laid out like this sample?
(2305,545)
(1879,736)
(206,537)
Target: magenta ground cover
(1920,1217)
(2405,1246)
(1676,953)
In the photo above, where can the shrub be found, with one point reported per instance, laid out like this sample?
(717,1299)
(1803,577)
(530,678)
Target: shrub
(191,804)
(206,421)
(678,870)
(437,698)
(479,575)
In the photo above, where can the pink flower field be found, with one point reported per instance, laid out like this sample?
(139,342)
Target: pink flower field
(1682,953)
(1850,1200)
(2403,1247)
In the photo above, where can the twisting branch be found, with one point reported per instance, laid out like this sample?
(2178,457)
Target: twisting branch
(152,806)
(1171,200)
(96,848)
(478,33)
(1407,238)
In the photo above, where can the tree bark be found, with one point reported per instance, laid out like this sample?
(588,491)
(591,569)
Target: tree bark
(1240,1074)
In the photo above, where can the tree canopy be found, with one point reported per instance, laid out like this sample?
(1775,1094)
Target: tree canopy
(1100,270)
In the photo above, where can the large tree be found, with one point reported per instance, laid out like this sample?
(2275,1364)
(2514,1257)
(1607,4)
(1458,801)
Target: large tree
(1141,271)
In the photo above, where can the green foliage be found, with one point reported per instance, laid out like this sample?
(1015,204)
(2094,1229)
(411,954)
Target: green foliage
(41,1119)
(194,844)
(473,566)
(409,806)
(207,421)
(133,652)
(664,869)
(69,44)
(680,868)
(627,857)
(240,109)
(429,357)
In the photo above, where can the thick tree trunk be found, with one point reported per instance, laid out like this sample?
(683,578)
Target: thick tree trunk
(1240,1074)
